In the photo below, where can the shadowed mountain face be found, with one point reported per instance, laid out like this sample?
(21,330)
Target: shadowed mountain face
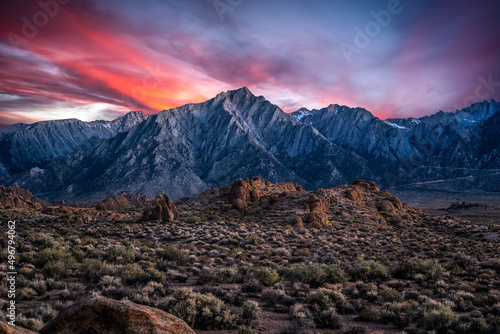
(235,135)
(24,146)
(443,146)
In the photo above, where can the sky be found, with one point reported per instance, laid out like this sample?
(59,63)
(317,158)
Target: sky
(90,59)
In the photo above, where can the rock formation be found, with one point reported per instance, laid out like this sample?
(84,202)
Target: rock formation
(162,208)
(114,317)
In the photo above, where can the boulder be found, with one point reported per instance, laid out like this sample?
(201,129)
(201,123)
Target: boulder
(102,315)
(354,193)
(297,222)
(367,185)
(242,193)
(162,208)
(317,219)
(5,328)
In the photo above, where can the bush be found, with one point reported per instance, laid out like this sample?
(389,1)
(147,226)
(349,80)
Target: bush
(300,315)
(367,314)
(277,298)
(250,312)
(355,329)
(132,273)
(94,269)
(400,314)
(324,299)
(251,285)
(439,320)
(174,254)
(315,275)
(200,311)
(370,270)
(328,319)
(411,269)
(266,276)
(29,323)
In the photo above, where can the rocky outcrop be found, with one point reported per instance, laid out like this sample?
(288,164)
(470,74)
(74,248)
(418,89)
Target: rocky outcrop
(114,317)
(367,185)
(162,208)
(12,197)
(114,203)
(241,194)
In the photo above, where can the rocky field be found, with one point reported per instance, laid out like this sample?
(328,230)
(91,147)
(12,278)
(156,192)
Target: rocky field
(251,257)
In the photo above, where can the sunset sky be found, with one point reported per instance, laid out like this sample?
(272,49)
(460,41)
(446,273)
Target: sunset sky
(99,59)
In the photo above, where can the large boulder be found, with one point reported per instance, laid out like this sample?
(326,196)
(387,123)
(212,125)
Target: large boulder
(242,193)
(162,208)
(5,328)
(102,315)
(367,185)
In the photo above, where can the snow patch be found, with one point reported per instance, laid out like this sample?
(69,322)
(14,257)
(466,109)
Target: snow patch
(302,115)
(416,121)
(395,125)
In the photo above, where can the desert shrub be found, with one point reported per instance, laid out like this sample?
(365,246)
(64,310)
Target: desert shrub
(53,255)
(200,311)
(324,299)
(464,261)
(251,285)
(40,286)
(314,274)
(217,276)
(266,276)
(254,239)
(390,295)
(47,313)
(368,314)
(428,269)
(26,293)
(29,323)
(107,281)
(356,329)
(132,273)
(94,269)
(120,251)
(277,298)
(439,319)
(55,268)
(250,312)
(370,270)
(244,329)
(174,254)
(328,319)
(300,315)
(400,314)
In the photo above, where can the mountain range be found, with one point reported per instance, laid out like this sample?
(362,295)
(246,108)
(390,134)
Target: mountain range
(186,150)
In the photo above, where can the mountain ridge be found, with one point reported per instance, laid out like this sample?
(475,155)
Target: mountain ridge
(236,134)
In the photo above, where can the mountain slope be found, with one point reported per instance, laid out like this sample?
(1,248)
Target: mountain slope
(440,146)
(25,146)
